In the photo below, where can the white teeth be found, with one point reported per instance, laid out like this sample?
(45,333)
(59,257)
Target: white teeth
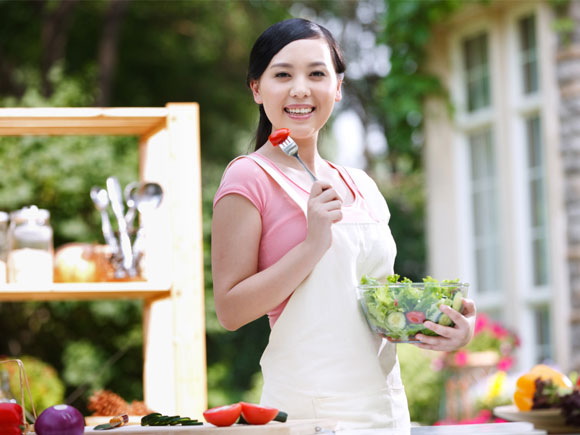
(302,111)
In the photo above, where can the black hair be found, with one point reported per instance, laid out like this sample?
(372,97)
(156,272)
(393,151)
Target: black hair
(270,42)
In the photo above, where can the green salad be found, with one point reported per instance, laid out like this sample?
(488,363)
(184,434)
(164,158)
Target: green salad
(397,309)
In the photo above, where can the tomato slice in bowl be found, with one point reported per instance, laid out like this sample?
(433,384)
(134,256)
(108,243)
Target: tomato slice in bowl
(223,415)
(257,414)
(415,316)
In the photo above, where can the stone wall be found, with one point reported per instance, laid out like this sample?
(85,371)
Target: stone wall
(568,72)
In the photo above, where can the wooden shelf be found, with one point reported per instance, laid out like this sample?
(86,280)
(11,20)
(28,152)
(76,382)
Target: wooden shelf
(174,370)
(59,121)
(84,291)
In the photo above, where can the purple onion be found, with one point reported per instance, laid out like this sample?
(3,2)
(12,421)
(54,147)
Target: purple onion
(60,420)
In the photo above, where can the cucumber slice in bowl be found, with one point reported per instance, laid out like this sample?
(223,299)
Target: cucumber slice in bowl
(396,321)
(457,303)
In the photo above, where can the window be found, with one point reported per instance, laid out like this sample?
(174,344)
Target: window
(484,193)
(501,178)
(537,201)
(528,54)
(476,72)
(542,334)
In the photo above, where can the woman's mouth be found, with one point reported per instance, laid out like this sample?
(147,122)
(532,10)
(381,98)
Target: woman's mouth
(299,111)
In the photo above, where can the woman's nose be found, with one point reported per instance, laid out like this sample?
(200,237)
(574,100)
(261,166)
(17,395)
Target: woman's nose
(299,89)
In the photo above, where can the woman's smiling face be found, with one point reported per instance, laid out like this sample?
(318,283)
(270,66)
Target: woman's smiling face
(299,87)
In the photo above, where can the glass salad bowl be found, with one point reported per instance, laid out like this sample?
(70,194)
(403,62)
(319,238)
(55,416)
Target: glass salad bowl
(396,309)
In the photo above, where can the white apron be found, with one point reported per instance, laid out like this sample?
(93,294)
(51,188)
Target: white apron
(322,360)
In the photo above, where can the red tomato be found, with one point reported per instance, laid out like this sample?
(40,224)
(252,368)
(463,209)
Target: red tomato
(279,136)
(223,415)
(10,419)
(415,316)
(256,414)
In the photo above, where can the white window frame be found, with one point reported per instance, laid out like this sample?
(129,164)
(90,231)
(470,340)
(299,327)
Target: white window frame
(466,123)
(543,104)
(506,116)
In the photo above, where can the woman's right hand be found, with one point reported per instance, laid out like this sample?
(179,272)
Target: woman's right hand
(324,209)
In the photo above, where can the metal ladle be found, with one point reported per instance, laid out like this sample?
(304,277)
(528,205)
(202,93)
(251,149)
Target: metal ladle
(148,197)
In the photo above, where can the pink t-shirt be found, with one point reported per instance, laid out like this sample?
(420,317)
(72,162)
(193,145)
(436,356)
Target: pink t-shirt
(283,221)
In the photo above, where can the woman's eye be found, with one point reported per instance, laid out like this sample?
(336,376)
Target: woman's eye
(318,73)
(282,74)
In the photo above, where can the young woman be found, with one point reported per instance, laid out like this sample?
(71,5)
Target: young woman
(295,250)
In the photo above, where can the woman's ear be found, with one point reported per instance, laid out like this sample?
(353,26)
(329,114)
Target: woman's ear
(255,86)
(338,96)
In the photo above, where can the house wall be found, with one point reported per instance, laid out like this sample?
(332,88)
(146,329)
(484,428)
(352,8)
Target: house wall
(448,223)
(568,73)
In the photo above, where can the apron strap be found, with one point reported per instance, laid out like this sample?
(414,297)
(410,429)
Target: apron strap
(284,184)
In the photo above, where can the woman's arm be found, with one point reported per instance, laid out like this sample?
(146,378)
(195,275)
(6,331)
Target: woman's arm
(241,293)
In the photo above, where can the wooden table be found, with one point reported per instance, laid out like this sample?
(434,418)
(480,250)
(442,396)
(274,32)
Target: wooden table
(315,427)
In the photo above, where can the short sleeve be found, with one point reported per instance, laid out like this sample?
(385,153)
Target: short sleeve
(244,177)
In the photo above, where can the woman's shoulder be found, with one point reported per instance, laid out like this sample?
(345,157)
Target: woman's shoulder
(369,190)
(243,176)
(243,167)
(361,179)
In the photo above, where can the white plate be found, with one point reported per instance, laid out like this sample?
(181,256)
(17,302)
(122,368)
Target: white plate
(549,419)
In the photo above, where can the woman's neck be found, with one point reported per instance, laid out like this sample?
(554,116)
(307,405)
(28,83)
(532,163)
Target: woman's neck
(307,150)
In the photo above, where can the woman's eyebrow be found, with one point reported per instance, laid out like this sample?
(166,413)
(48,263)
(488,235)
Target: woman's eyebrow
(289,65)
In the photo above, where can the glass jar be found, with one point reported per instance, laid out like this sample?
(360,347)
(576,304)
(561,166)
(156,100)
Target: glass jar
(3,245)
(30,258)
(5,391)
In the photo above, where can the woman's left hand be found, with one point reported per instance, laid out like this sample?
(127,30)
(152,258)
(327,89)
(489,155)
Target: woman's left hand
(451,338)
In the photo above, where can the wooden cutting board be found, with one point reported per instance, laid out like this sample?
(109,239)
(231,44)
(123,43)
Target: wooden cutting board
(291,427)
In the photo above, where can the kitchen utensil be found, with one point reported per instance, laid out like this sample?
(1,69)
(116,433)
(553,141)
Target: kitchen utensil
(101,200)
(116,199)
(148,198)
(282,139)
(130,192)
(141,196)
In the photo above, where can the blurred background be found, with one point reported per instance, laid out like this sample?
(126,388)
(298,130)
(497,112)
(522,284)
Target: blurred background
(465,113)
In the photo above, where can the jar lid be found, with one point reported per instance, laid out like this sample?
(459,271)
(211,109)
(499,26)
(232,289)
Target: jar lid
(32,213)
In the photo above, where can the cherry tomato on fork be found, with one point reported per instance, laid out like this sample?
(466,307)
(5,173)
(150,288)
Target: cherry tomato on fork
(279,136)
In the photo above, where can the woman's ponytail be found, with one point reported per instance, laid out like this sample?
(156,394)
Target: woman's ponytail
(264,128)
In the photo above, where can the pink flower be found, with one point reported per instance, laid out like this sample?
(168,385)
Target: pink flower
(499,331)
(505,363)
(445,422)
(460,358)
(480,323)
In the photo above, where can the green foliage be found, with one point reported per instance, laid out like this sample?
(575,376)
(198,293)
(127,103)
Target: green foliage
(406,199)
(45,386)
(423,385)
(563,24)
(402,92)
(83,362)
